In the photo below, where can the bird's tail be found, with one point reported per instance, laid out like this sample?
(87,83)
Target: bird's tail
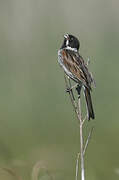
(89,103)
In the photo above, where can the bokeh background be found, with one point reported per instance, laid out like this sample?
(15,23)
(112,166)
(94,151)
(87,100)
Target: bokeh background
(37,123)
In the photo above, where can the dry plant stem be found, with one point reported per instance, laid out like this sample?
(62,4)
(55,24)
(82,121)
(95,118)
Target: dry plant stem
(87,141)
(77,109)
(81,142)
(78,114)
(12,173)
(77,166)
(38,168)
(70,94)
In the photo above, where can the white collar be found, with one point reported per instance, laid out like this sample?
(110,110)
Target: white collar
(70,48)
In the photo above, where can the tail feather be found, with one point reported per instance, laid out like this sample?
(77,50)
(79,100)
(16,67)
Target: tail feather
(89,103)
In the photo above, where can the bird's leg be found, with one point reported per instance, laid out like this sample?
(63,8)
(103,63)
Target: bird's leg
(70,88)
(78,89)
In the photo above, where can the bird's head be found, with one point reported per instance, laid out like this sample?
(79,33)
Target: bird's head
(70,42)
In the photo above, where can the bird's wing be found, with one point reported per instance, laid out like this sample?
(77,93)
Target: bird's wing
(84,68)
(76,65)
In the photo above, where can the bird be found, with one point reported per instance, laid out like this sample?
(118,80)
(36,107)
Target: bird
(76,69)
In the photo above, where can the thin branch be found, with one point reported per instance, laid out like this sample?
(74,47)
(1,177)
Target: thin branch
(87,141)
(81,143)
(77,109)
(78,114)
(71,95)
(85,118)
(77,165)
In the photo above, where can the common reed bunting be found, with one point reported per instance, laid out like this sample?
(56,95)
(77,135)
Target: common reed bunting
(76,69)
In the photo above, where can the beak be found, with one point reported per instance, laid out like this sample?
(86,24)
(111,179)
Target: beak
(66,36)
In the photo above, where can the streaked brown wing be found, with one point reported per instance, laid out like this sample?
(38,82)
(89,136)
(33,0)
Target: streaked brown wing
(84,68)
(76,65)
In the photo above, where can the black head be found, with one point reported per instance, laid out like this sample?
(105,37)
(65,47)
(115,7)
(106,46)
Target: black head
(70,41)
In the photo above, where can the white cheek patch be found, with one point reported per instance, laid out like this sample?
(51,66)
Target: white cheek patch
(67,42)
(72,49)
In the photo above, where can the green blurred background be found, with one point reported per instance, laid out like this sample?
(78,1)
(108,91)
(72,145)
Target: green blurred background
(36,118)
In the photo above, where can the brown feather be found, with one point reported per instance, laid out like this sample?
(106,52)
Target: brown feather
(76,68)
(76,65)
